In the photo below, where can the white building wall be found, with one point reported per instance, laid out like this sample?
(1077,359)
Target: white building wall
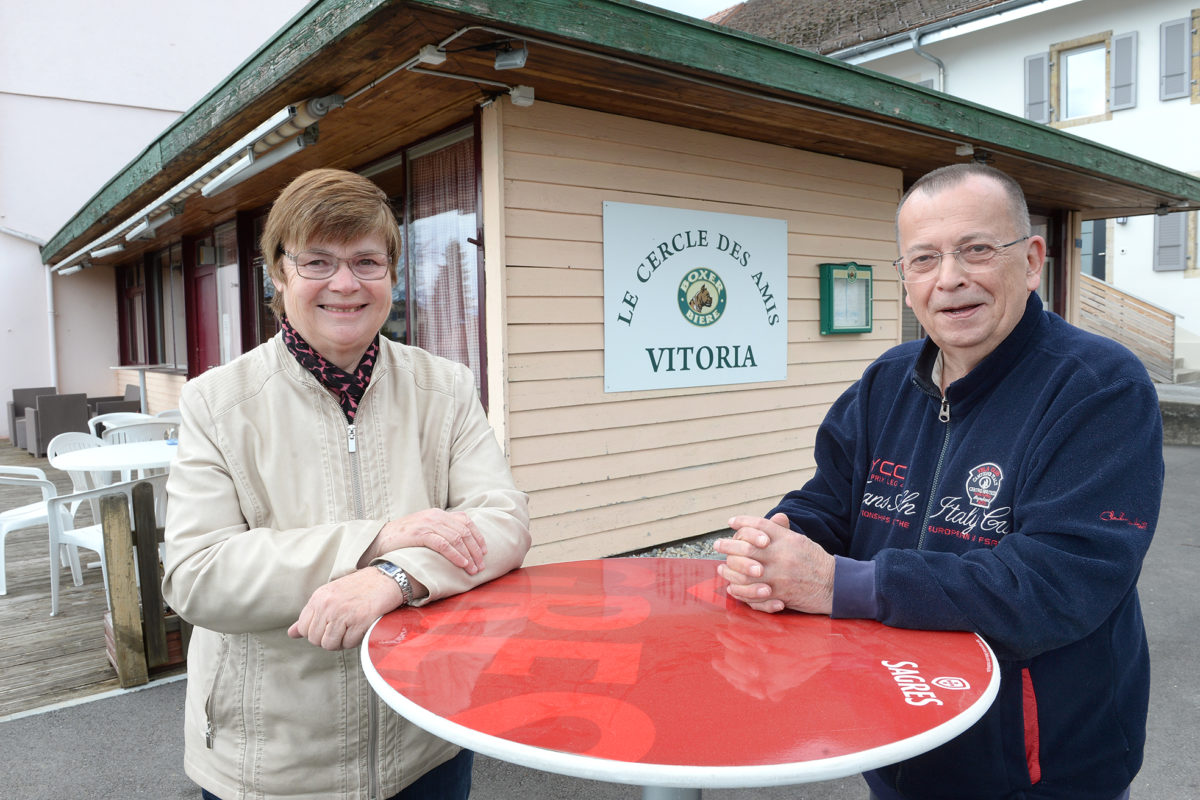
(84,88)
(986,66)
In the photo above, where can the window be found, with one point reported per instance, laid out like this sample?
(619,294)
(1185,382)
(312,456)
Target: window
(1093,255)
(438,297)
(264,290)
(441,229)
(170,334)
(132,314)
(228,295)
(1083,80)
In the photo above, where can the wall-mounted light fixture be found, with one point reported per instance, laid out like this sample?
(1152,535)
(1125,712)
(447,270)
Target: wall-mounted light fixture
(71,270)
(148,227)
(112,249)
(296,133)
(508,57)
(251,164)
(1122,220)
(521,96)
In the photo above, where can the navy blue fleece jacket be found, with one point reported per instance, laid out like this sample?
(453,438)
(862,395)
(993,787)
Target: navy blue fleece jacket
(1019,507)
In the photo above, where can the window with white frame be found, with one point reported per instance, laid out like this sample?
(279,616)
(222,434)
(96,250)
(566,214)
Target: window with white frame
(1081,81)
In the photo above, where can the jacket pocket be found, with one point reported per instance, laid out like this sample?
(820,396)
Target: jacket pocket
(1033,744)
(210,701)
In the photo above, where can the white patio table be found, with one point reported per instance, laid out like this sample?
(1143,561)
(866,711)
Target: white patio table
(123,458)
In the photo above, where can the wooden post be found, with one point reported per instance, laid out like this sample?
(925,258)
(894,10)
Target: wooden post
(145,530)
(122,590)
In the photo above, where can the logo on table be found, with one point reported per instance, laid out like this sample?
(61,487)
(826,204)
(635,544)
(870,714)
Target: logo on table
(918,691)
(702,297)
(983,484)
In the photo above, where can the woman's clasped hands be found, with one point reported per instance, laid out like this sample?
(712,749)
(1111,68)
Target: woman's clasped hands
(338,614)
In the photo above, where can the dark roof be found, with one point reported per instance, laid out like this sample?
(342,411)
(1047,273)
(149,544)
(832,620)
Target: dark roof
(825,27)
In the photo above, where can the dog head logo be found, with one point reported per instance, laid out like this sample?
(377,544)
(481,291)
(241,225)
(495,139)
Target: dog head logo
(701,297)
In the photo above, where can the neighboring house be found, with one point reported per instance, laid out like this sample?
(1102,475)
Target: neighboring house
(1123,74)
(83,87)
(572,177)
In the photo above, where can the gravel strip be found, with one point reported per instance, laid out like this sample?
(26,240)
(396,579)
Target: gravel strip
(697,547)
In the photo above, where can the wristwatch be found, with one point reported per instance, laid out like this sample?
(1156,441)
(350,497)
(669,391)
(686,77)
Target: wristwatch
(400,577)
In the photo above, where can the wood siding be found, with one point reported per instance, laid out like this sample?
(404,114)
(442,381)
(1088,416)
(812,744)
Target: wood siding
(162,388)
(1146,329)
(609,473)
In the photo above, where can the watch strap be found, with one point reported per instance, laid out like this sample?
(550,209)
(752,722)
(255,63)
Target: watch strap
(398,574)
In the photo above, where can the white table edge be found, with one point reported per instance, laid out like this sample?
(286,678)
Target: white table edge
(680,776)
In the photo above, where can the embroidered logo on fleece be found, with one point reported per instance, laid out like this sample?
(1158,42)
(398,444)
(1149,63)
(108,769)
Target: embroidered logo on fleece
(983,484)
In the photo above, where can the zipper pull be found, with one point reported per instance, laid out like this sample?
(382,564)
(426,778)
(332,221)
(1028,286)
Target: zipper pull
(353,435)
(944,414)
(208,735)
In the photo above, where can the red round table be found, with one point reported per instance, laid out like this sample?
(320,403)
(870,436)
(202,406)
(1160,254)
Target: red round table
(643,671)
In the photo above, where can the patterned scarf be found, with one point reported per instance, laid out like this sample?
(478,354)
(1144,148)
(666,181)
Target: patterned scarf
(346,387)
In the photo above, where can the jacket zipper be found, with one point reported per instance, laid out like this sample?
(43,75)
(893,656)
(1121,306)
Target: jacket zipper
(943,417)
(211,702)
(359,513)
(355,476)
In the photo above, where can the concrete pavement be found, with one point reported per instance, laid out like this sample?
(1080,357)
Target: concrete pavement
(129,744)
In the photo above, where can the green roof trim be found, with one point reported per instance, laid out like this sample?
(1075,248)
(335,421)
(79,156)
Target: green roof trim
(634,30)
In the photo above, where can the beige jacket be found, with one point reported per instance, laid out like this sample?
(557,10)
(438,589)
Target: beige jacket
(272,495)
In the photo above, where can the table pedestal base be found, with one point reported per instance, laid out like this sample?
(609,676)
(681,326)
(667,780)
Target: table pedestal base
(667,793)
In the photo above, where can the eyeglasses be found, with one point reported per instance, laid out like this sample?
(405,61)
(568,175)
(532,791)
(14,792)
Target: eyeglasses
(316,265)
(974,257)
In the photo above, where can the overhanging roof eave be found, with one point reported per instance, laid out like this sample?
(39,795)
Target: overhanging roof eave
(636,33)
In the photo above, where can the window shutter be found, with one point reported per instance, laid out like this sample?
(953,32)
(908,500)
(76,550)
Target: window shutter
(1123,92)
(1170,232)
(1037,87)
(1175,57)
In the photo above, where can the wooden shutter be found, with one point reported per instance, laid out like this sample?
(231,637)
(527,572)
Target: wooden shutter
(1175,59)
(1123,91)
(1037,87)
(1170,245)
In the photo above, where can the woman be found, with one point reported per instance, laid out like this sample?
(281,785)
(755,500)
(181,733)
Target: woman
(323,479)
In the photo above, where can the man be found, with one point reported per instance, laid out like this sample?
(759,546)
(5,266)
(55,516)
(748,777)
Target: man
(1003,477)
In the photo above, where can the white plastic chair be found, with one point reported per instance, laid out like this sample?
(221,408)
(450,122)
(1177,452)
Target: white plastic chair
(143,431)
(63,533)
(101,422)
(30,515)
(69,442)
(171,414)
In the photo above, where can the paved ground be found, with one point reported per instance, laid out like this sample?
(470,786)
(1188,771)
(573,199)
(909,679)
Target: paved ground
(128,745)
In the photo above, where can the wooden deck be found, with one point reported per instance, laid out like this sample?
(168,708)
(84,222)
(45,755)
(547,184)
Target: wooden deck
(44,659)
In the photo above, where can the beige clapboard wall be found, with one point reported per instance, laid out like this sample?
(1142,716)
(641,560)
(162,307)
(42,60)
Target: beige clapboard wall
(608,473)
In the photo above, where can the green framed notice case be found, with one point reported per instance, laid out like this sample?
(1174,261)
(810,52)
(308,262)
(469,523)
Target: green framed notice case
(846,295)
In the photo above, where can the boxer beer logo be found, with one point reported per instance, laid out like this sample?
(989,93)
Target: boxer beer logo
(701,297)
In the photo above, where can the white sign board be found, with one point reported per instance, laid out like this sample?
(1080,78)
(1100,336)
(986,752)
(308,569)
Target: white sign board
(692,298)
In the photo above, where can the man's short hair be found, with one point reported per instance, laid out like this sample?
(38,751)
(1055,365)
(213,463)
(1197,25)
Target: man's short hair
(949,176)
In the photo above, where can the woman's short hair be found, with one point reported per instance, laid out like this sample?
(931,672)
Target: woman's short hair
(326,205)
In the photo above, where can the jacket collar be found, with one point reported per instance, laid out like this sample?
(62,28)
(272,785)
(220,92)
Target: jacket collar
(992,369)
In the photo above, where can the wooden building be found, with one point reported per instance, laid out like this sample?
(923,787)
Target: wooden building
(502,178)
